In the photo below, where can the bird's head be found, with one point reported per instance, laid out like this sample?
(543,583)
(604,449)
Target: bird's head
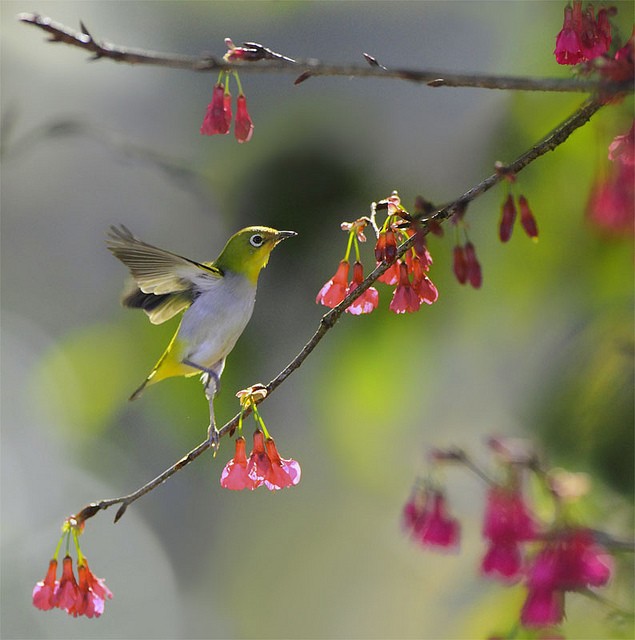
(247,251)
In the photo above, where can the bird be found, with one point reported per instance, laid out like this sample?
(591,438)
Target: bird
(217,299)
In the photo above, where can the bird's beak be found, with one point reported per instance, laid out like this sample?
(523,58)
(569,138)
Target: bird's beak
(283,235)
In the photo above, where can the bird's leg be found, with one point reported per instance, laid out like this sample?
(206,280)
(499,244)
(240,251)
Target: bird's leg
(211,384)
(213,436)
(211,375)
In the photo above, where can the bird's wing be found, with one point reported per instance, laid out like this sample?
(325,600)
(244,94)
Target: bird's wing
(158,308)
(155,270)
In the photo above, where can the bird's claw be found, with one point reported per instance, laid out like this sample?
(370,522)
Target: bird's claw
(213,438)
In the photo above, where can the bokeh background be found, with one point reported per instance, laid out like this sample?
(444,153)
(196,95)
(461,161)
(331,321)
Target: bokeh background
(544,350)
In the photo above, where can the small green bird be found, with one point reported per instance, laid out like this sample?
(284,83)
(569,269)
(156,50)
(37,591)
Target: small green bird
(218,298)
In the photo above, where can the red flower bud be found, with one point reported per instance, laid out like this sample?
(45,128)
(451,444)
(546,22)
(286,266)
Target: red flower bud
(460,264)
(527,219)
(508,216)
(474,274)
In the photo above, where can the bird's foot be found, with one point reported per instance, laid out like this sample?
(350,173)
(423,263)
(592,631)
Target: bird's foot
(213,438)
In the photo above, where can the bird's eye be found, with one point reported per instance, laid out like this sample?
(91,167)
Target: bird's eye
(256,240)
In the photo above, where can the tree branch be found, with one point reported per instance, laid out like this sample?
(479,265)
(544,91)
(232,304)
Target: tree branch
(556,137)
(312,67)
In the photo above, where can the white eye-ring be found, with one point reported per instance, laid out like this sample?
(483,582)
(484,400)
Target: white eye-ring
(256,240)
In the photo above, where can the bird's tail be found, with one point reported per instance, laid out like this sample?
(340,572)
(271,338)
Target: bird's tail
(139,390)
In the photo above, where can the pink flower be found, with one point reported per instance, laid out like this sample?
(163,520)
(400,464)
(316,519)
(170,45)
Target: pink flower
(542,608)
(595,36)
(611,201)
(412,511)
(622,67)
(474,274)
(568,49)
(243,127)
(284,472)
(89,603)
(98,585)
(391,275)
(334,291)
(369,300)
(622,149)
(259,464)
(234,475)
(421,284)
(572,560)
(507,518)
(507,522)
(435,527)
(508,216)
(582,37)
(502,560)
(582,562)
(44,590)
(405,298)
(460,265)
(527,219)
(219,113)
(425,517)
(67,592)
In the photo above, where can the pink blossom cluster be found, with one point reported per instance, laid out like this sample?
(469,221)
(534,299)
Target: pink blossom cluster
(551,558)
(569,560)
(583,36)
(218,117)
(407,274)
(426,519)
(264,467)
(84,596)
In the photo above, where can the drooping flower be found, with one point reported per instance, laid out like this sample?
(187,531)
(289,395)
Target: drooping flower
(44,590)
(473,266)
(582,562)
(425,517)
(97,585)
(543,608)
(405,298)
(435,527)
(571,560)
(507,522)
(391,275)
(334,291)
(622,149)
(527,219)
(243,127)
(508,216)
(582,37)
(284,472)
(88,603)
(67,592)
(369,300)
(568,50)
(594,35)
(611,204)
(219,112)
(459,265)
(266,467)
(259,464)
(386,246)
(234,475)
(421,284)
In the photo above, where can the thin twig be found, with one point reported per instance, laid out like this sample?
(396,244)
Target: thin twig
(311,67)
(548,143)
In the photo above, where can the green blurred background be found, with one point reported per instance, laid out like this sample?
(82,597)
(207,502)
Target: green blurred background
(544,350)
